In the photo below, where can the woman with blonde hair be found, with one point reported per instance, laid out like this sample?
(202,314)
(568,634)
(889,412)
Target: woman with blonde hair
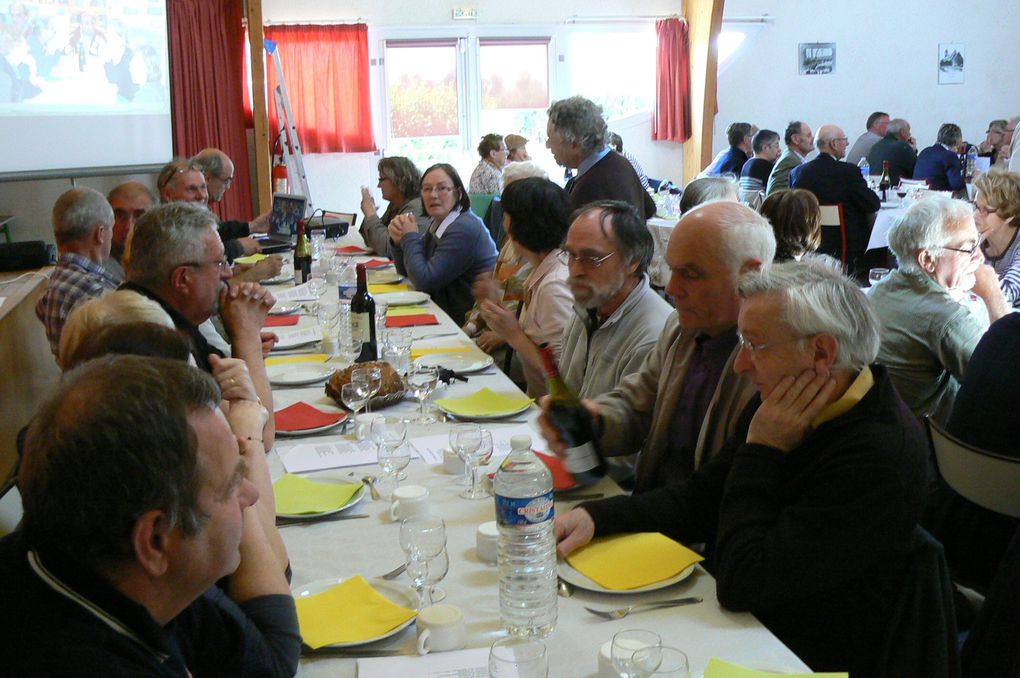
(114,308)
(997,217)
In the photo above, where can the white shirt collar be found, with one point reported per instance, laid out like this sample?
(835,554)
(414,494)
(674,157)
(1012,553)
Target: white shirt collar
(450,218)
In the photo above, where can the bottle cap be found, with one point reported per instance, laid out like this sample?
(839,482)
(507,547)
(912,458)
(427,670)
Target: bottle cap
(520,442)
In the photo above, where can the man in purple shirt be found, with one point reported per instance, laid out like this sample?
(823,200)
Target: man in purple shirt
(683,402)
(83,229)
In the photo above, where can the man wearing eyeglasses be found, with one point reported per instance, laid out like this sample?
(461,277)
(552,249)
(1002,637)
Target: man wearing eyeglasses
(809,510)
(682,404)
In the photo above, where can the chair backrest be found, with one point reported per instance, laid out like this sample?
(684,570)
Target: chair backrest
(480,203)
(10,509)
(990,480)
(833,232)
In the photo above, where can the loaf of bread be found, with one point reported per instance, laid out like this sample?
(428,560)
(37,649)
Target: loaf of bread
(391,381)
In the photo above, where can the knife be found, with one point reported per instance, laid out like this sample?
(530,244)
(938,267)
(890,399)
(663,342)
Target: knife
(351,652)
(287,522)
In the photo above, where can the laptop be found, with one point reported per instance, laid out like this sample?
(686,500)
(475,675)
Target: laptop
(288,210)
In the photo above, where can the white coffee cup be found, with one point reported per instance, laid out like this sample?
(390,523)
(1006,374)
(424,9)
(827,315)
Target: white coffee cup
(452,463)
(363,425)
(440,628)
(409,501)
(487,542)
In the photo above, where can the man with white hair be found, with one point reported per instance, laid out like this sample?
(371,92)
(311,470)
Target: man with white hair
(83,229)
(809,511)
(682,404)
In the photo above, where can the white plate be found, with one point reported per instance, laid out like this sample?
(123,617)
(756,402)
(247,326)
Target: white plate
(384,275)
(487,417)
(401,595)
(355,498)
(278,280)
(311,431)
(298,374)
(402,298)
(465,363)
(284,309)
(572,576)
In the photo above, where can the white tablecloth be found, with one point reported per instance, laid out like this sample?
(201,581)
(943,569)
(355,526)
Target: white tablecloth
(660,229)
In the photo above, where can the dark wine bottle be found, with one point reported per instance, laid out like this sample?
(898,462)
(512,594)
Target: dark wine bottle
(302,256)
(574,423)
(363,318)
(885,183)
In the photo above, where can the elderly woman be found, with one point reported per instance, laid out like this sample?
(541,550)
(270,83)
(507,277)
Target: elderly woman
(997,216)
(928,335)
(516,148)
(455,248)
(939,164)
(536,216)
(488,174)
(796,220)
(400,183)
(707,189)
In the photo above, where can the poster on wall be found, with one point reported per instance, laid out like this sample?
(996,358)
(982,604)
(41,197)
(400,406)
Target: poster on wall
(816,58)
(950,63)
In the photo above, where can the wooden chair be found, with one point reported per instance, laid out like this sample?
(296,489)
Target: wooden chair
(834,232)
(990,480)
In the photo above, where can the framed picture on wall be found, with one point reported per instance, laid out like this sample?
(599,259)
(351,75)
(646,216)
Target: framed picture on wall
(951,63)
(816,58)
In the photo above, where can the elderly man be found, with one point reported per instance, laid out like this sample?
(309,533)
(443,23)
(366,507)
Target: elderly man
(835,182)
(739,136)
(994,139)
(175,256)
(799,142)
(928,335)
(129,200)
(897,148)
(809,510)
(876,128)
(136,502)
(682,404)
(218,169)
(577,137)
(83,229)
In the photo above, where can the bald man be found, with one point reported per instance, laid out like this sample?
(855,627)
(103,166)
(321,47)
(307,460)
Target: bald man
(835,182)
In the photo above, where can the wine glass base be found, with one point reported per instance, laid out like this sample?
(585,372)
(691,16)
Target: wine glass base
(425,420)
(438,595)
(477,493)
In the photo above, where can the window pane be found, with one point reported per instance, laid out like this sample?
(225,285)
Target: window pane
(515,88)
(614,69)
(422,89)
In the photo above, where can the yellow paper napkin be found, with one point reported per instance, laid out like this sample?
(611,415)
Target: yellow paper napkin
(296,495)
(405,310)
(250,259)
(484,403)
(717,668)
(383,288)
(459,348)
(347,613)
(305,358)
(630,561)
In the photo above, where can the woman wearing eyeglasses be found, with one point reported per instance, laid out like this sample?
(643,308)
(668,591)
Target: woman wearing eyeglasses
(455,249)
(997,216)
(400,183)
(930,322)
(536,216)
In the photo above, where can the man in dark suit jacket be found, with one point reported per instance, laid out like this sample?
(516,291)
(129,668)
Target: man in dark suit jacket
(835,182)
(898,148)
(939,164)
(577,136)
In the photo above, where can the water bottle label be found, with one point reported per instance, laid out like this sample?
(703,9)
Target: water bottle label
(348,291)
(525,510)
(581,458)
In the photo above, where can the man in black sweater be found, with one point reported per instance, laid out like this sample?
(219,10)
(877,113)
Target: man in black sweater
(808,514)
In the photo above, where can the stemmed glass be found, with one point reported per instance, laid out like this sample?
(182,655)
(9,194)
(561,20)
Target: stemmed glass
(516,657)
(388,436)
(466,440)
(421,539)
(354,395)
(328,315)
(372,377)
(636,653)
(673,664)
(422,381)
(434,571)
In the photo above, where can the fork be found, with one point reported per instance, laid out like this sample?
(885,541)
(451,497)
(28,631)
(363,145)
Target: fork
(394,573)
(621,612)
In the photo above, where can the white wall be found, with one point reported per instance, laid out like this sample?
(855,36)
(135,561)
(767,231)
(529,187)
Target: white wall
(886,59)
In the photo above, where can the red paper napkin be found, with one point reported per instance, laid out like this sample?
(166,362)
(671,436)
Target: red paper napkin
(562,479)
(411,320)
(352,249)
(378,263)
(302,416)
(280,321)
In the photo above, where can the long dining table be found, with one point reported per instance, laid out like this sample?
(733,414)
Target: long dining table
(330,550)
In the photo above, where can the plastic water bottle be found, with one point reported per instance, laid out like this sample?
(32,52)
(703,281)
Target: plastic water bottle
(348,282)
(527,546)
(972,156)
(865,168)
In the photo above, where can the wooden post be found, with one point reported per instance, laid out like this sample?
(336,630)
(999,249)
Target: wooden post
(263,193)
(704,20)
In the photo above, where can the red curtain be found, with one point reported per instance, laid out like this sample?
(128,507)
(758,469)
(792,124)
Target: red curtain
(326,74)
(206,63)
(672,120)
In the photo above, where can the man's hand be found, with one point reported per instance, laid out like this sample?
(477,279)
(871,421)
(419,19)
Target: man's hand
(243,308)
(261,223)
(368,207)
(232,376)
(249,245)
(489,341)
(549,430)
(401,225)
(269,340)
(269,267)
(573,529)
(500,320)
(784,418)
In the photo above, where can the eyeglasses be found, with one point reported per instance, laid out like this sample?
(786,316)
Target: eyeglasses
(226,182)
(442,189)
(221,264)
(843,139)
(755,349)
(969,250)
(985,210)
(567,257)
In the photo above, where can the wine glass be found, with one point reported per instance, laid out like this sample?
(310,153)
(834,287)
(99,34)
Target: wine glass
(421,539)
(673,662)
(876,274)
(478,458)
(317,286)
(422,380)
(354,395)
(516,657)
(373,377)
(363,375)
(435,569)
(466,441)
(636,653)
(388,436)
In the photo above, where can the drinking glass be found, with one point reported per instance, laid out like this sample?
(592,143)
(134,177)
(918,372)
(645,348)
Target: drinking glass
(421,539)
(389,436)
(381,309)
(354,395)
(422,380)
(465,440)
(518,658)
(397,349)
(636,653)
(673,663)
(327,314)
(433,571)
(317,286)
(476,458)
(372,378)
(876,274)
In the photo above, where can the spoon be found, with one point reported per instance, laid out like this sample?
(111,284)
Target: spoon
(370,481)
(564,588)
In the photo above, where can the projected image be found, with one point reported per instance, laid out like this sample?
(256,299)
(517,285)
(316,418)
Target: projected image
(91,55)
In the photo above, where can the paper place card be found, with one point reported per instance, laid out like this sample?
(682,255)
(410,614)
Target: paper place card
(296,293)
(319,456)
(430,448)
(472,663)
(294,336)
